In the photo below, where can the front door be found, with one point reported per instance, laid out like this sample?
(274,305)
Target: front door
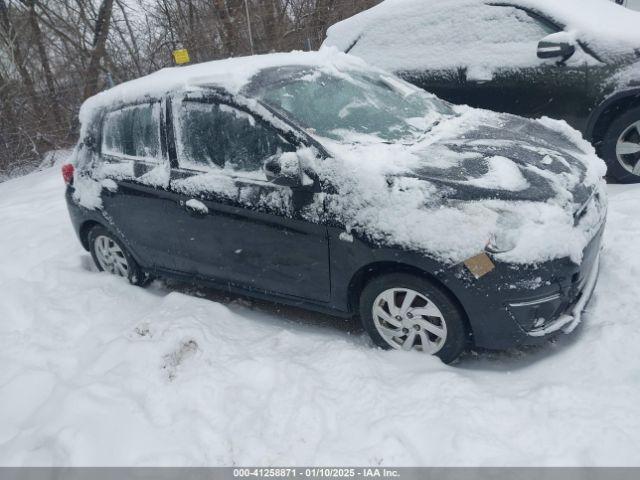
(231,224)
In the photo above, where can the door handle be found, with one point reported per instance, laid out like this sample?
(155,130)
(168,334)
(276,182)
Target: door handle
(195,207)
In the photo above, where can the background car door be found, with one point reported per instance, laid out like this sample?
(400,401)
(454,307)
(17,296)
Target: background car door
(524,84)
(133,155)
(231,224)
(494,65)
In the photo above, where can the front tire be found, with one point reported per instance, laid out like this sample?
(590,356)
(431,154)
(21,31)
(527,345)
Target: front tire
(110,255)
(406,312)
(621,147)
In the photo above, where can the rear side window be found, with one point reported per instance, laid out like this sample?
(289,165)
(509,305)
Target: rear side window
(133,132)
(217,136)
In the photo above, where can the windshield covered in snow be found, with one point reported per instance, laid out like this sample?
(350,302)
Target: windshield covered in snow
(338,104)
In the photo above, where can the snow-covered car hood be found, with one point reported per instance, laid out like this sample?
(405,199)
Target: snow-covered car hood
(534,188)
(511,158)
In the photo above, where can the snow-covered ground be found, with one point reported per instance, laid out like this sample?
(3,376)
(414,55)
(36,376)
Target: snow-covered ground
(96,372)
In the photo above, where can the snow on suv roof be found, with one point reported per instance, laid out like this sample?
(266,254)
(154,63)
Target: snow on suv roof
(232,74)
(395,33)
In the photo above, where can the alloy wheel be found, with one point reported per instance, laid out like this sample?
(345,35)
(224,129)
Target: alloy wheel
(628,148)
(110,256)
(408,320)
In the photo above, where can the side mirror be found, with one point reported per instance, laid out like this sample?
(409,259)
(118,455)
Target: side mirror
(558,45)
(284,169)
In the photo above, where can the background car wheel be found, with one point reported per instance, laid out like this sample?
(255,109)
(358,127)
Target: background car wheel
(407,312)
(621,147)
(110,255)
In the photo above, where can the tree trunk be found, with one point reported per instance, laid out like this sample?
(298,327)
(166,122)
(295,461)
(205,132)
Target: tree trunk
(134,52)
(8,115)
(18,57)
(228,13)
(100,35)
(44,60)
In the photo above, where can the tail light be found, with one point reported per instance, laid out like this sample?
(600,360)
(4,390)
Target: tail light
(67,173)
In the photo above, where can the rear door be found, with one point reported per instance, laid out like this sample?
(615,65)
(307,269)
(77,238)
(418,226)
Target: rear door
(231,224)
(134,171)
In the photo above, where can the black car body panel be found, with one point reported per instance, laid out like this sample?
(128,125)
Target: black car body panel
(583,96)
(485,301)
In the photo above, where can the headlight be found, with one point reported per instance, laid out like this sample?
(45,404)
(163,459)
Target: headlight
(506,229)
(499,243)
(506,233)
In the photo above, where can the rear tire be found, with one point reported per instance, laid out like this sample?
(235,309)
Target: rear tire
(402,311)
(110,255)
(618,147)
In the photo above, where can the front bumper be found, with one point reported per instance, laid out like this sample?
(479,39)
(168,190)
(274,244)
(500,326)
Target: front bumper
(532,303)
(566,314)
(568,321)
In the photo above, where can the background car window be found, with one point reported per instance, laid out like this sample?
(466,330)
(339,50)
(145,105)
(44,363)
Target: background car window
(211,136)
(526,27)
(482,35)
(133,132)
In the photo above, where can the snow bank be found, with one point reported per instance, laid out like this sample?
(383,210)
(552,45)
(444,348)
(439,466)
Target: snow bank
(55,158)
(99,373)
(410,35)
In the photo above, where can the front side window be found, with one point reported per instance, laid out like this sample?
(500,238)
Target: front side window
(133,132)
(220,137)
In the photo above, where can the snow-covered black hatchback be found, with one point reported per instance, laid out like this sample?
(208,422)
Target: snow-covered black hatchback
(315,180)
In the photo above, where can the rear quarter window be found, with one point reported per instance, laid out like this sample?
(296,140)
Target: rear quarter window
(133,132)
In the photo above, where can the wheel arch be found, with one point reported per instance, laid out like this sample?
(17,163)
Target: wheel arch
(374,270)
(85,228)
(614,106)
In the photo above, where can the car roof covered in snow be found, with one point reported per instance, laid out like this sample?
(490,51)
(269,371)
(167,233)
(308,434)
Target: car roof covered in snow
(396,33)
(231,74)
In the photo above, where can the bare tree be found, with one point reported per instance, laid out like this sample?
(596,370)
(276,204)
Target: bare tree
(11,40)
(101,33)
(44,59)
(55,53)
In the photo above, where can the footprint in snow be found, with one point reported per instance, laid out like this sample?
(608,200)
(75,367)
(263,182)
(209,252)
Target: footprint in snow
(174,359)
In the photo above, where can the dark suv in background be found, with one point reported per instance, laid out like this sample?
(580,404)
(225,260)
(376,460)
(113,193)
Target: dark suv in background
(576,60)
